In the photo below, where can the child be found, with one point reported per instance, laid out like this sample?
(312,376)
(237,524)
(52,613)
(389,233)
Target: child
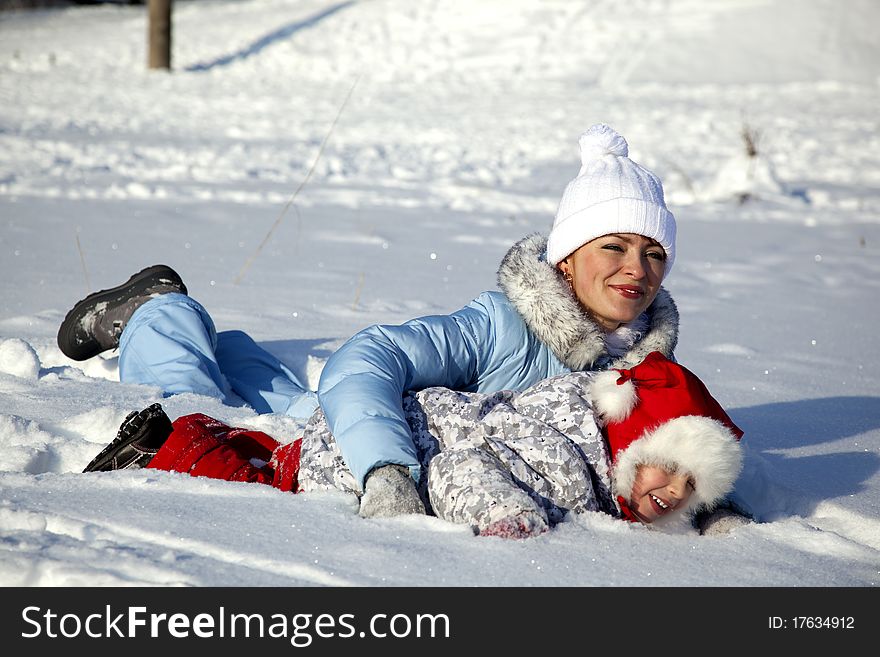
(648,444)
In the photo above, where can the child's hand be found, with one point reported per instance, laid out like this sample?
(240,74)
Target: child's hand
(721,521)
(523,525)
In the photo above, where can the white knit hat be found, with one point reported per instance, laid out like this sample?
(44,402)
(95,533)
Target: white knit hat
(611,194)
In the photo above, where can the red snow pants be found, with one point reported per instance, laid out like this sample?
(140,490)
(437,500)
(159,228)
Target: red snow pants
(204,447)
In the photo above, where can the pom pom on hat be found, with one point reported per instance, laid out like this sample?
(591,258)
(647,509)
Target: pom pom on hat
(659,413)
(611,194)
(613,399)
(599,141)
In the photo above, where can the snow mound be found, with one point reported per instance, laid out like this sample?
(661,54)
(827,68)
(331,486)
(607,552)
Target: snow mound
(18,358)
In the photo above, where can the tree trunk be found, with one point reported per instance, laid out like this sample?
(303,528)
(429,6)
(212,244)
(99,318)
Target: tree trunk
(159,34)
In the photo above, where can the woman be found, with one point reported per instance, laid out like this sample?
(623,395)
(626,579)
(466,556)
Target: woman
(586,298)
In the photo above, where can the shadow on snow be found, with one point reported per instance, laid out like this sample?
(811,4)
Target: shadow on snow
(266,41)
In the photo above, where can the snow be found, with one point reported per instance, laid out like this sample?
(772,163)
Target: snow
(459,136)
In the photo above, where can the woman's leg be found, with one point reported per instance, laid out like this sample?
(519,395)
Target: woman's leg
(171,342)
(260,379)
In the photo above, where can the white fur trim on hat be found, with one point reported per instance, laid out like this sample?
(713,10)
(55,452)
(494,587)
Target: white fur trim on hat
(611,194)
(700,446)
(612,402)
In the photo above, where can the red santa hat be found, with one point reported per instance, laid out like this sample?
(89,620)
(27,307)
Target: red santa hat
(659,413)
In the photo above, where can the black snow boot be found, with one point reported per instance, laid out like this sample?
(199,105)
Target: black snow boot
(94,324)
(139,438)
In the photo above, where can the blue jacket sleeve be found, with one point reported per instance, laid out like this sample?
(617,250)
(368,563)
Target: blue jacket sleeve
(362,385)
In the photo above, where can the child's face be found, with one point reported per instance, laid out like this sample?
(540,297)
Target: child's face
(657,492)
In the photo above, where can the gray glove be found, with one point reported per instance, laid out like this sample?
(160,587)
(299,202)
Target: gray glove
(390,491)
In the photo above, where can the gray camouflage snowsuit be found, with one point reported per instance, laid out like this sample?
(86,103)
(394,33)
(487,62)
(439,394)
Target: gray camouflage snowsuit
(491,457)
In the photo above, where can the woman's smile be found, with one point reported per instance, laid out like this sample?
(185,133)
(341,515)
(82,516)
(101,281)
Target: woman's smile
(629,291)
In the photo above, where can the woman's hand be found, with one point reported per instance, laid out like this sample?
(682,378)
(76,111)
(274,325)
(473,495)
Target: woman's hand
(390,491)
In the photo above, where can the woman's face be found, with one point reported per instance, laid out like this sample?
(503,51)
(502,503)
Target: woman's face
(616,277)
(657,492)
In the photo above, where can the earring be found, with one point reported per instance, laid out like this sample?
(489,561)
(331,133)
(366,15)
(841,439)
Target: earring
(568,279)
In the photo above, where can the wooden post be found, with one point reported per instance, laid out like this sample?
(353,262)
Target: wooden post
(159,34)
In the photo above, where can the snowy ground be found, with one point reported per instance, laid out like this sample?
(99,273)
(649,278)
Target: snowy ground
(457,140)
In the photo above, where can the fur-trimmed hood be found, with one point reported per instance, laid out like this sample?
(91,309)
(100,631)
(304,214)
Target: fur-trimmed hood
(541,296)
